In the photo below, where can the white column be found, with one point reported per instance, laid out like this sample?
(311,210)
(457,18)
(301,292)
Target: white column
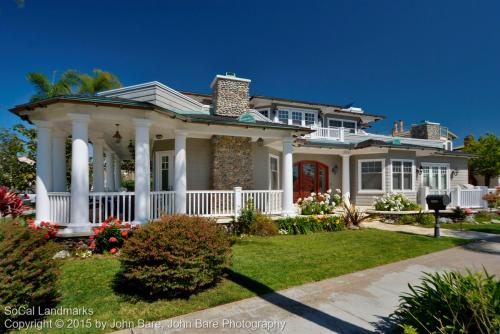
(59,162)
(110,171)
(346,184)
(98,168)
(180,179)
(117,174)
(79,173)
(43,171)
(142,177)
(287,172)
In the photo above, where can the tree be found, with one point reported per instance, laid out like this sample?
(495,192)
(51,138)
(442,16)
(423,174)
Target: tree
(487,156)
(18,142)
(100,81)
(47,89)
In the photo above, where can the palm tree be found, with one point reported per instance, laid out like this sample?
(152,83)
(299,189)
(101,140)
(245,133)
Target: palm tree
(100,81)
(46,89)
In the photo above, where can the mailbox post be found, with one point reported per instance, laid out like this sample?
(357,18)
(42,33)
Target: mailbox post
(436,203)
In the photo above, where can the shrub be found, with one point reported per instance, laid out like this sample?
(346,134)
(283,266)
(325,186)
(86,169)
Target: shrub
(175,256)
(452,303)
(418,219)
(10,203)
(304,225)
(492,200)
(263,226)
(27,272)
(483,217)
(247,217)
(395,202)
(351,215)
(459,214)
(109,237)
(319,204)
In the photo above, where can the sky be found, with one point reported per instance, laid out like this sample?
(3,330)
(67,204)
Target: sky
(411,60)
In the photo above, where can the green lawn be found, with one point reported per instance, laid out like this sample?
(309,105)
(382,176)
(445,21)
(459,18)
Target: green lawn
(485,227)
(259,265)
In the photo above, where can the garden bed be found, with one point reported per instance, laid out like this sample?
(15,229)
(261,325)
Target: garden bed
(265,263)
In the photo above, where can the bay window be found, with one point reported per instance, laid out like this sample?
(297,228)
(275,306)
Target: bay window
(371,175)
(402,175)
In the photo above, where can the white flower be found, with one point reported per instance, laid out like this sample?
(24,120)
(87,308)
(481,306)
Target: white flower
(313,194)
(329,191)
(338,191)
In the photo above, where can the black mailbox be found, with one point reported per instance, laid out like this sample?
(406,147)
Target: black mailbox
(437,202)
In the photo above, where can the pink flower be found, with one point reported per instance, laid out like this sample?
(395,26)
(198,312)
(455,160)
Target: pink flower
(113,239)
(113,250)
(46,236)
(124,234)
(468,211)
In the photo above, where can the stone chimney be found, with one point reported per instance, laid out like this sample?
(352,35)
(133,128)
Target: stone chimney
(395,129)
(401,126)
(426,130)
(230,95)
(468,140)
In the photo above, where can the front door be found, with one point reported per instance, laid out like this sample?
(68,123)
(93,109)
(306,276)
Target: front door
(309,176)
(164,170)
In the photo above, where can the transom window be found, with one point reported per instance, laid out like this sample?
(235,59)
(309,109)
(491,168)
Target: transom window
(348,125)
(371,175)
(435,176)
(402,175)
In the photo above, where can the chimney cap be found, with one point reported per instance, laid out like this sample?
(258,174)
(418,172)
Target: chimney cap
(228,76)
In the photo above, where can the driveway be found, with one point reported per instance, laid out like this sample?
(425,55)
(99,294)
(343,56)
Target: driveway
(355,303)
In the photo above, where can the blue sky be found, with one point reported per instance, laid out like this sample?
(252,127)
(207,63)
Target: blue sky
(415,60)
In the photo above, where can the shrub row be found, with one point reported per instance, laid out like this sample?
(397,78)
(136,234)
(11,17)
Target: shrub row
(304,225)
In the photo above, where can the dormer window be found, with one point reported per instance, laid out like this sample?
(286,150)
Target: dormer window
(309,118)
(350,126)
(295,116)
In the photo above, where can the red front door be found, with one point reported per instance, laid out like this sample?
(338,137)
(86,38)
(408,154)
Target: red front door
(309,176)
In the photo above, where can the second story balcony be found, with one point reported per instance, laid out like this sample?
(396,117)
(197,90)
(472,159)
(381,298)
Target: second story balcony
(331,133)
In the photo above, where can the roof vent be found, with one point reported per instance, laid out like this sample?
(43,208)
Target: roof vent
(230,74)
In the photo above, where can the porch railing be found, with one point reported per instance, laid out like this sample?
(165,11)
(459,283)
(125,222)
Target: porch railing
(161,202)
(106,204)
(60,207)
(210,203)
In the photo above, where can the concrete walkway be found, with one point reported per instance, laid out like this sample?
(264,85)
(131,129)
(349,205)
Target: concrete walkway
(355,303)
(430,231)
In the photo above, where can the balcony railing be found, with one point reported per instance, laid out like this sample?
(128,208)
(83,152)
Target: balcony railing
(327,133)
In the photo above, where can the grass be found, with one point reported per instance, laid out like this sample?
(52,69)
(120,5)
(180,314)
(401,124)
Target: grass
(484,227)
(265,264)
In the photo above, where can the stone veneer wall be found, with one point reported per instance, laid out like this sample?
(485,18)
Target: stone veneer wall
(230,97)
(426,131)
(232,164)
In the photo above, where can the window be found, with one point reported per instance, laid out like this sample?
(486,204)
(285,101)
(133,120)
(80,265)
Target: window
(296,118)
(349,126)
(309,118)
(402,175)
(283,116)
(371,175)
(274,176)
(264,112)
(435,176)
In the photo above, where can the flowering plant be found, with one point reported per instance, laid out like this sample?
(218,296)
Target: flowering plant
(394,202)
(48,230)
(109,237)
(319,203)
(10,203)
(492,200)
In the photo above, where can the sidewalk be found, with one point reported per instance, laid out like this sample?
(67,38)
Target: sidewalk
(355,303)
(430,231)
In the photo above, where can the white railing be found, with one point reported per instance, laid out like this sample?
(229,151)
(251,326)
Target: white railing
(327,133)
(265,201)
(105,204)
(160,203)
(59,203)
(216,203)
(464,198)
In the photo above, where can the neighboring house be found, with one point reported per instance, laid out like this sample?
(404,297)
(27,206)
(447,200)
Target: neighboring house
(198,149)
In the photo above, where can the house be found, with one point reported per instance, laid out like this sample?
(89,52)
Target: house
(208,154)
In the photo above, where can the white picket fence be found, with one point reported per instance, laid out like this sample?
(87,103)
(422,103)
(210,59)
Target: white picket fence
(209,203)
(464,198)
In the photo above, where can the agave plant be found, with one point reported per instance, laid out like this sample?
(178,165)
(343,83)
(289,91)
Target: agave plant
(352,215)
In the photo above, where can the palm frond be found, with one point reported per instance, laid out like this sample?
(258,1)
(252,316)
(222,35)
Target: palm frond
(42,85)
(86,84)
